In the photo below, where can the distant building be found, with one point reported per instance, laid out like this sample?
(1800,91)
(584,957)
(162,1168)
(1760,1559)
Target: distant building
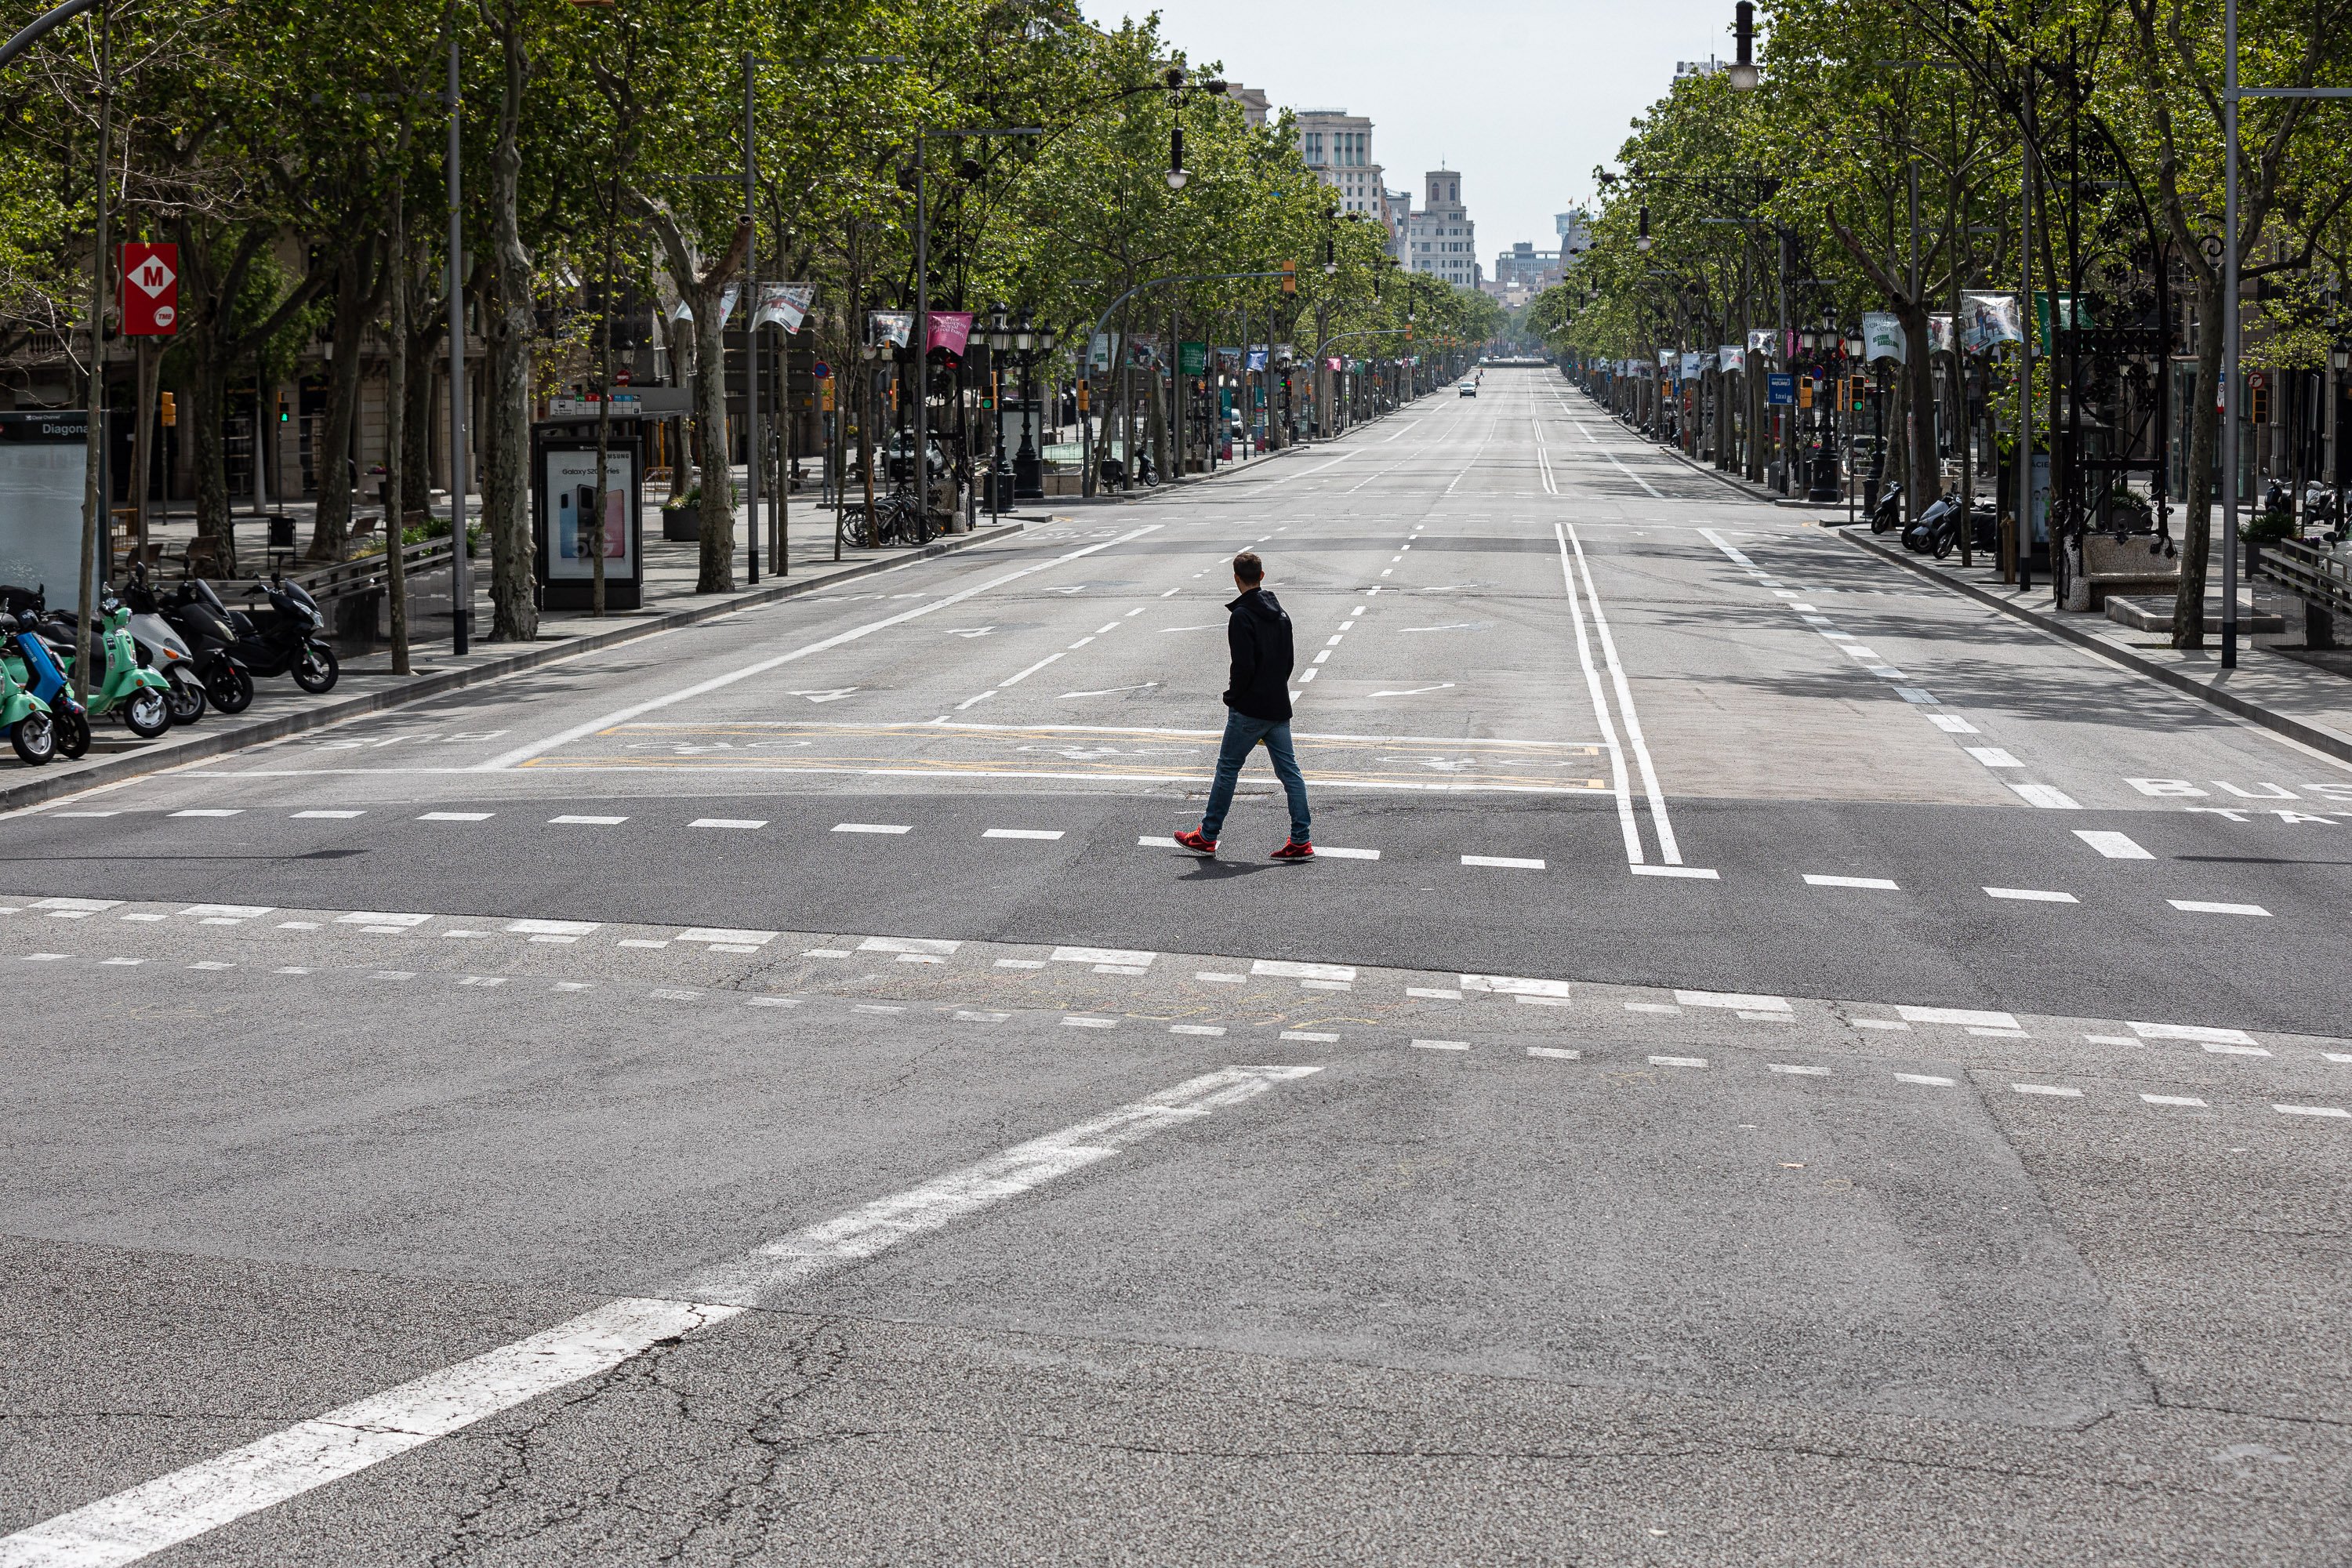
(1707,67)
(1574,228)
(1254,104)
(1439,240)
(1337,146)
(1523,272)
(1396,211)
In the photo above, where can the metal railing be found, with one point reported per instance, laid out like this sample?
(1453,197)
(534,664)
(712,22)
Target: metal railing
(366,574)
(2318,577)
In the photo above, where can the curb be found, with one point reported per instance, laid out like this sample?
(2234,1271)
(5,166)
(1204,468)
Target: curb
(2317,737)
(138,764)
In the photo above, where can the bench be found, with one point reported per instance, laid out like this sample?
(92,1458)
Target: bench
(2127,565)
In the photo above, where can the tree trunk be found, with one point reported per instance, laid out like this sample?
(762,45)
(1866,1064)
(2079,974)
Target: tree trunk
(358,293)
(1919,369)
(717,573)
(207,414)
(2196,487)
(506,490)
(423,349)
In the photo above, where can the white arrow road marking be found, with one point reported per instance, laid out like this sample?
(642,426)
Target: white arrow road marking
(1416,691)
(207,1495)
(970,631)
(831,694)
(521,755)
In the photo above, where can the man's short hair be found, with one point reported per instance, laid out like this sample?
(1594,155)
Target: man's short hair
(1248,568)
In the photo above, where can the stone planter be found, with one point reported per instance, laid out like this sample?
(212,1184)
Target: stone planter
(682,524)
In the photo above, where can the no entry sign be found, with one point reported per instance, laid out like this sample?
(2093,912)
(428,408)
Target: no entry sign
(151,290)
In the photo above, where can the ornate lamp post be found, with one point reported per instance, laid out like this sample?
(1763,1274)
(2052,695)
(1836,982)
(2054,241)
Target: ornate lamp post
(1030,344)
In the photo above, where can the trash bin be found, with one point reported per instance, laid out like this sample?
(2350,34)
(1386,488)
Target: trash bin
(281,531)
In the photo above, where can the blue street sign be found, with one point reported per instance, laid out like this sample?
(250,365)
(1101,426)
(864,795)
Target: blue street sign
(1781,388)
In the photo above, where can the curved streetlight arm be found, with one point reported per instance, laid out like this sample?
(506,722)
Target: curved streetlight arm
(41,26)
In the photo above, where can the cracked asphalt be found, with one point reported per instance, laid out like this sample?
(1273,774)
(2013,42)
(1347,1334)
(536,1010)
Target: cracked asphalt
(569,1125)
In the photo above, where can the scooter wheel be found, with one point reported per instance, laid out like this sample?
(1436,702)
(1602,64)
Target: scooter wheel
(316,669)
(147,714)
(187,700)
(1878,525)
(73,734)
(35,737)
(230,688)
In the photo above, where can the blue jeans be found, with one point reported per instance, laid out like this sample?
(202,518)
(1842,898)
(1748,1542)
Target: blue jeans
(1242,734)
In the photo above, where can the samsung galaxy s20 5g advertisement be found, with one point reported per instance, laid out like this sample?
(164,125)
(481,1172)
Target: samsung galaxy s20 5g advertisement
(571,485)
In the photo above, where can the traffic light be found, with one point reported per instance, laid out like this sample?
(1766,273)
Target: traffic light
(171,412)
(1861,391)
(1290,278)
(285,409)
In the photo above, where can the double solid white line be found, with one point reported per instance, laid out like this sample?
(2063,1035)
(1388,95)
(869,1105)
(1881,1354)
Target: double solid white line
(1669,851)
(205,1496)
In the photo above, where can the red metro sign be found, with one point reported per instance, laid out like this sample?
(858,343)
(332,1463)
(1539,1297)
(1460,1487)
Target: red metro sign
(151,290)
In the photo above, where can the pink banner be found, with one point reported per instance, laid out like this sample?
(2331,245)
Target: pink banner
(950,330)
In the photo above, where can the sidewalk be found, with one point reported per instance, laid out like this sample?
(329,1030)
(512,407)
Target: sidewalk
(280,708)
(2303,695)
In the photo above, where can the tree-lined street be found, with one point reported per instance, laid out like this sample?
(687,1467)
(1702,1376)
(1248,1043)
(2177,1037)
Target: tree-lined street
(1772,1061)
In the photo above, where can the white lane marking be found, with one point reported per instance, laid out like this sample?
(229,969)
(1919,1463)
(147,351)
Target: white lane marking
(1664,828)
(2049,797)
(970,701)
(1308,1035)
(1284,969)
(1929,1079)
(236,811)
(871,827)
(590,821)
(2222,1051)
(2206,907)
(551,927)
(728,822)
(1952,724)
(1025,674)
(1047,833)
(2033,895)
(1737,1000)
(521,755)
(2172,1099)
(1510,862)
(1556,1053)
(1327,852)
(1700,873)
(2311,1110)
(455,816)
(2113,845)
(1802,1071)
(1678,1061)
(1153,841)
(1993,757)
(1083,1021)
(1128,956)
(1441,1045)
(214,914)
(334,815)
(1957,1016)
(203,1496)
(1212,1029)
(1619,784)
(726,936)
(1515,985)
(380,918)
(909,944)
(2198,1033)
(1434,993)
(1815,881)
(2049,1088)
(1108,690)
(1418,690)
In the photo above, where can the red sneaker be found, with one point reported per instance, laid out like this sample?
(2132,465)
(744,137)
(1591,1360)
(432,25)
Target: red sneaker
(1198,845)
(1296,850)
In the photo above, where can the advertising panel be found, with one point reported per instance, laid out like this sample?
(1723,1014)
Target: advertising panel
(42,465)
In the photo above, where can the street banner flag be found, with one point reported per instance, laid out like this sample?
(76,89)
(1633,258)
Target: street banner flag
(784,304)
(1192,359)
(682,312)
(892,329)
(1666,359)
(950,329)
(1691,364)
(1939,334)
(151,290)
(1733,358)
(1759,340)
(1883,337)
(1987,320)
(1101,351)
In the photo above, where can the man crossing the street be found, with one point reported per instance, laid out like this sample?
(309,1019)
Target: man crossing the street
(1257,700)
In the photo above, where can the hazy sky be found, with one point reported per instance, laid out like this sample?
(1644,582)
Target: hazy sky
(1522,97)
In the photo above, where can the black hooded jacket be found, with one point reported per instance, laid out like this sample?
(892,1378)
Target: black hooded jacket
(1259,637)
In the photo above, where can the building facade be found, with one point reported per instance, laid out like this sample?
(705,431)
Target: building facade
(1337,146)
(1440,238)
(1523,272)
(1256,105)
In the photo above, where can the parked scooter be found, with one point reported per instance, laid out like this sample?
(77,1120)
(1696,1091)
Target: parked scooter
(288,640)
(27,660)
(25,716)
(142,695)
(1937,532)
(194,613)
(1888,513)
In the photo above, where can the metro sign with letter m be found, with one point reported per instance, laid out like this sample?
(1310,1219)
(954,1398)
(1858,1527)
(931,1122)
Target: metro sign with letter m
(151,290)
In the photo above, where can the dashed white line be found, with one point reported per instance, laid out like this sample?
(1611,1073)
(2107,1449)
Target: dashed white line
(1815,881)
(2033,895)
(2207,906)
(871,827)
(1509,862)
(2113,845)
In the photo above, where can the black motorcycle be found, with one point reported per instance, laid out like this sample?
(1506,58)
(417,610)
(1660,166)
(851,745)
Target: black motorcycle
(1937,531)
(1888,513)
(288,639)
(195,612)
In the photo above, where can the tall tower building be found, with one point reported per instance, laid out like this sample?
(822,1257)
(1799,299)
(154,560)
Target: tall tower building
(1337,146)
(1439,240)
